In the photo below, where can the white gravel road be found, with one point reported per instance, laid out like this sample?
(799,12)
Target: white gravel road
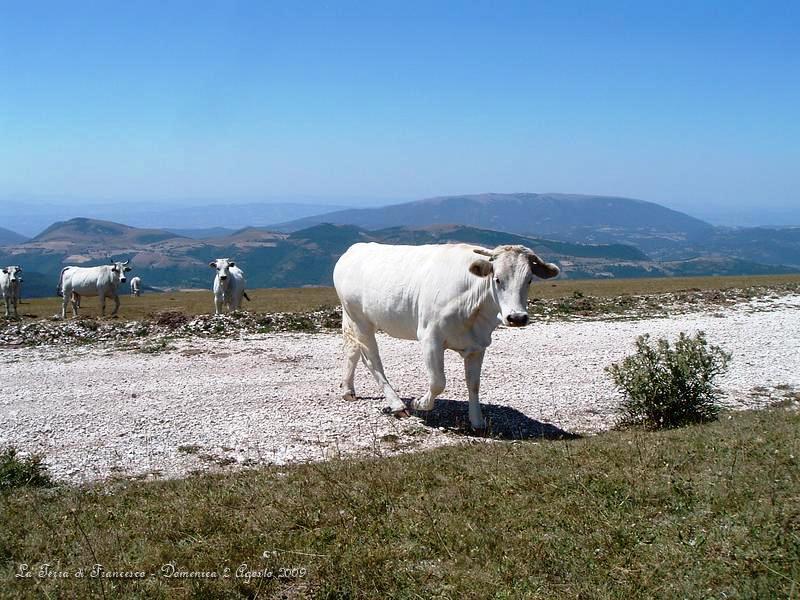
(95,411)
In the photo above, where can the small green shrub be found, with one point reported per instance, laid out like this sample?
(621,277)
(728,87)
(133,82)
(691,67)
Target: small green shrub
(668,386)
(18,472)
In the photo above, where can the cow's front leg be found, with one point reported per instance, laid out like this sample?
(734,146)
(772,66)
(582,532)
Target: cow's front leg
(116,305)
(472,369)
(433,351)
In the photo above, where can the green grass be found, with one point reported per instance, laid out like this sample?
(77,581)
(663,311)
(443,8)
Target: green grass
(16,471)
(306,299)
(708,511)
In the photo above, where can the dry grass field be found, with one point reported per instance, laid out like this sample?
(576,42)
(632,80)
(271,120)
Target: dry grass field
(305,299)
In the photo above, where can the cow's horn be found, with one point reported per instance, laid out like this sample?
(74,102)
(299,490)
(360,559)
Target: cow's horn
(126,262)
(483,252)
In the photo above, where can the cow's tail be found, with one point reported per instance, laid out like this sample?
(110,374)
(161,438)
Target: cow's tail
(59,287)
(246,297)
(351,338)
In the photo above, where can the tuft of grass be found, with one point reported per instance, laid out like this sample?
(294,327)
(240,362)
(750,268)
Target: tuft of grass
(155,346)
(16,472)
(171,318)
(706,511)
(670,386)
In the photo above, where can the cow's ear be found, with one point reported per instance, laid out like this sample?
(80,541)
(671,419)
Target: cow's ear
(231,264)
(213,264)
(544,270)
(5,270)
(481,268)
(126,269)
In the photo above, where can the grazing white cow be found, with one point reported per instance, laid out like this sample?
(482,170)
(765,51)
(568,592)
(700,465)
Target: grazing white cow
(229,285)
(10,280)
(102,281)
(136,286)
(449,297)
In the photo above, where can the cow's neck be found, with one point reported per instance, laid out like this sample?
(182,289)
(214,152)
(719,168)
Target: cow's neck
(480,304)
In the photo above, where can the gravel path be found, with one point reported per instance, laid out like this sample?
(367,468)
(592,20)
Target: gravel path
(96,412)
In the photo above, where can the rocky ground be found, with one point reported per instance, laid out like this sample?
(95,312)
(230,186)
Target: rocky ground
(174,394)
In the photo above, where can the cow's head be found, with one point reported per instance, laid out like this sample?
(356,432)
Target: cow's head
(223,266)
(14,273)
(118,269)
(511,269)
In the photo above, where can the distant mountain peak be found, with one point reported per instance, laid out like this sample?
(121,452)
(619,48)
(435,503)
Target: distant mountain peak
(82,230)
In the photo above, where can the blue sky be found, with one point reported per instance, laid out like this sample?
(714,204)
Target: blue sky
(692,104)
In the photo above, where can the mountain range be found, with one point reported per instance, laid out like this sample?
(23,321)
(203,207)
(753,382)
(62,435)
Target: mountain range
(589,236)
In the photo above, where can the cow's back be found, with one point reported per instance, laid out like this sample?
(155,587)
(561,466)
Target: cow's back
(87,281)
(400,289)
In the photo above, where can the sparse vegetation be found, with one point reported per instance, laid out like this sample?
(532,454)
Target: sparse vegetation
(16,471)
(171,318)
(704,511)
(155,346)
(668,385)
(275,300)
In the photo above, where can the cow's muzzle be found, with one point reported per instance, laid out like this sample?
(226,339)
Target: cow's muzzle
(517,319)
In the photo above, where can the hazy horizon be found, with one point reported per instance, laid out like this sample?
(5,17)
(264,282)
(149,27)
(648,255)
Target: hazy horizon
(31,217)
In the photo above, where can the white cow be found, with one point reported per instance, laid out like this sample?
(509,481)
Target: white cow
(136,286)
(10,280)
(448,296)
(229,285)
(102,281)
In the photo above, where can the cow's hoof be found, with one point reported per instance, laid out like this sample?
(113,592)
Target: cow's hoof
(349,397)
(399,414)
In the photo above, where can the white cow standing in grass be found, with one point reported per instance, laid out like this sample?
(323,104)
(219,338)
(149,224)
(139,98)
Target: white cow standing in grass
(10,281)
(229,285)
(102,281)
(449,297)
(136,286)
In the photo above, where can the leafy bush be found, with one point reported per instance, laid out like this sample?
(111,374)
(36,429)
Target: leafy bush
(666,386)
(18,472)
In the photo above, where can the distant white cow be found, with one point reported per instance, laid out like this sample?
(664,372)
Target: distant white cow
(10,280)
(136,286)
(229,285)
(449,297)
(102,281)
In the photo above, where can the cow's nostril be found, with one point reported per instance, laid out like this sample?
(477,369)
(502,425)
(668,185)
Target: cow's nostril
(518,319)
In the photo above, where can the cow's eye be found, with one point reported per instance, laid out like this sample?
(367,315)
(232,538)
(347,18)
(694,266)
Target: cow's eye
(497,280)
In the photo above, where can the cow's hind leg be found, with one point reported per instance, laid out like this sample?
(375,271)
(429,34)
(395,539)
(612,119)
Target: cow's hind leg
(76,303)
(434,361)
(472,369)
(352,352)
(372,358)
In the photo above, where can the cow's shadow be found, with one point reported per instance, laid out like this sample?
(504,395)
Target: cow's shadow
(503,422)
